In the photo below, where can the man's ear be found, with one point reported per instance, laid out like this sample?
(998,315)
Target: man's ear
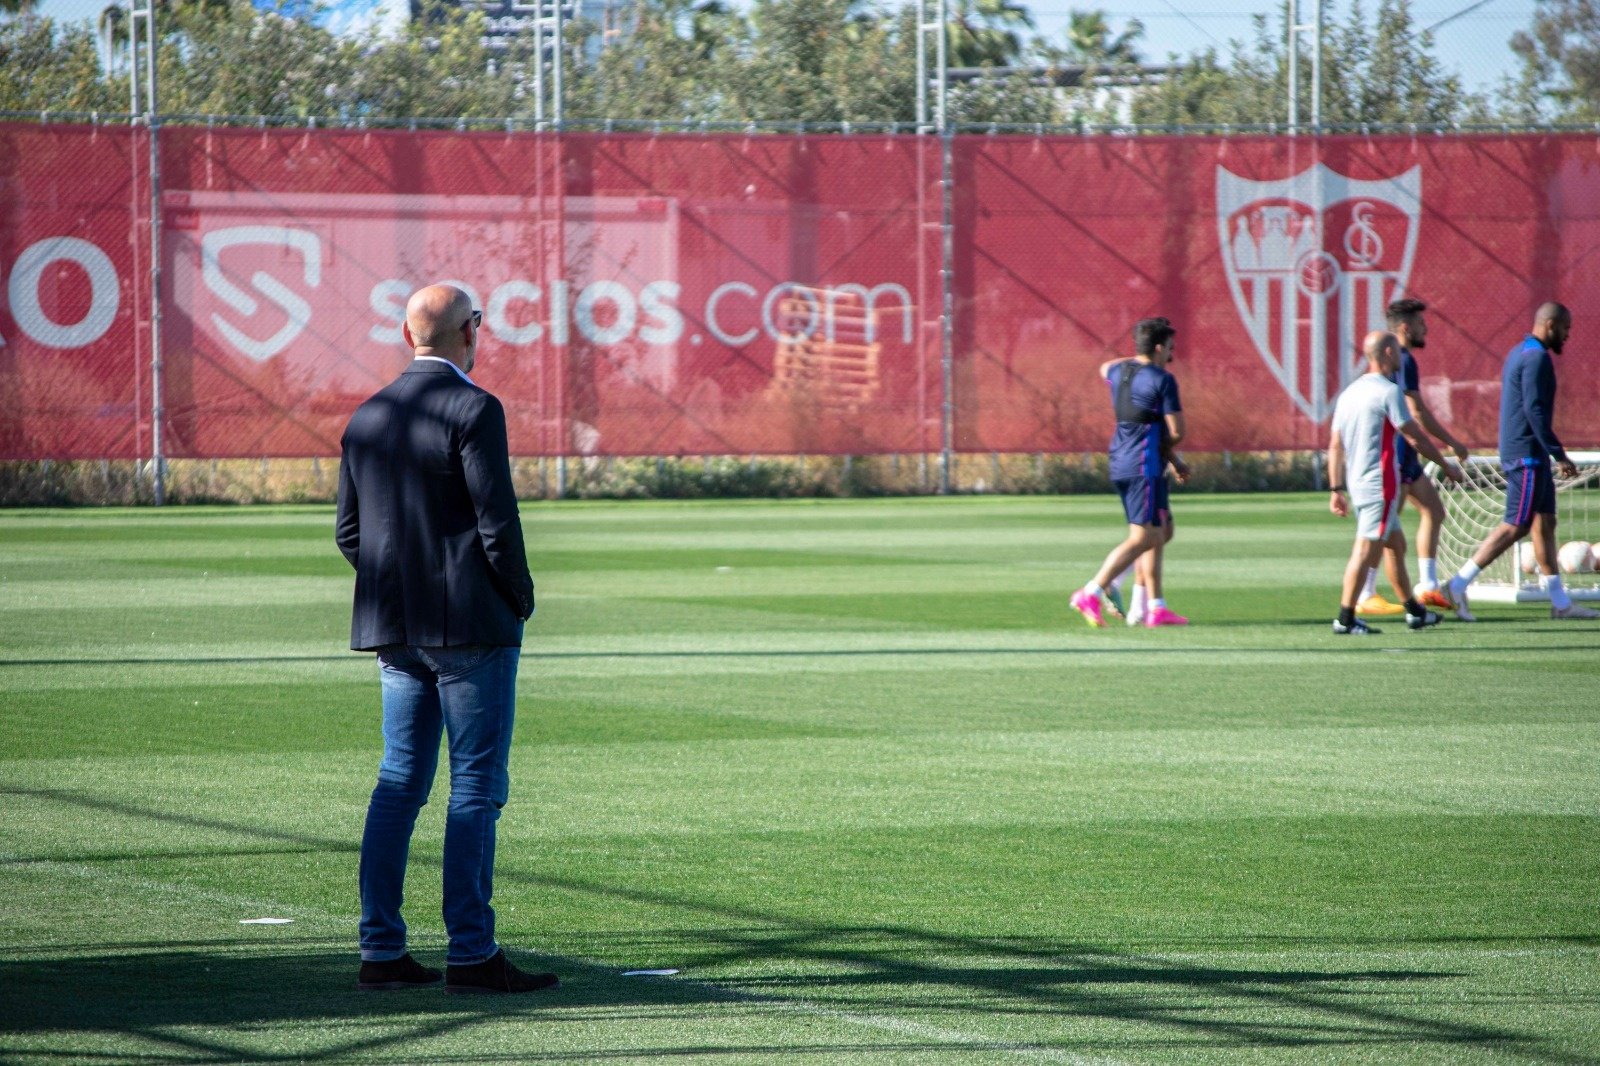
(405,331)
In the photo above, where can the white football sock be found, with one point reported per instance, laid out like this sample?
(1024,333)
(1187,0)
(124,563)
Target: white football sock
(1558,593)
(1469,571)
(1158,602)
(1430,572)
(1094,590)
(1370,589)
(1122,578)
(1141,601)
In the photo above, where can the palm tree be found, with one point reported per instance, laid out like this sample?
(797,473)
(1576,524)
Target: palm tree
(1090,43)
(986,33)
(17,7)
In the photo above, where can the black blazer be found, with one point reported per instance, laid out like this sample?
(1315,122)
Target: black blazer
(428,518)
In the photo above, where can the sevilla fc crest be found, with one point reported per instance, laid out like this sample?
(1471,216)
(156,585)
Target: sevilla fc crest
(1313,261)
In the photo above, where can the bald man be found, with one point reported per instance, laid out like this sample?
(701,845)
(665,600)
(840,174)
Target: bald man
(1528,448)
(428,518)
(1362,449)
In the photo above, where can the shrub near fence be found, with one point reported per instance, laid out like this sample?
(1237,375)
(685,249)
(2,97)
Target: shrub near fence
(92,483)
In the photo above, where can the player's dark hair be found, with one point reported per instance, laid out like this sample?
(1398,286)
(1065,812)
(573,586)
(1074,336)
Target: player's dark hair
(1152,333)
(1401,310)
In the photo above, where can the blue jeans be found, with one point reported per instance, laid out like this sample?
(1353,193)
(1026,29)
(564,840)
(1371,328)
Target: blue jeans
(469,695)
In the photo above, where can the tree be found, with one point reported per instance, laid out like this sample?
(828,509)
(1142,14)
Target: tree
(1560,53)
(985,33)
(1385,73)
(1090,43)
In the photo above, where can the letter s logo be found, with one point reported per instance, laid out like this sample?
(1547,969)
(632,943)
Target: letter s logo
(294,306)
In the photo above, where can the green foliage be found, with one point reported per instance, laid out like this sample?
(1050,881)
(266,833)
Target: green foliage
(1379,73)
(46,66)
(1560,53)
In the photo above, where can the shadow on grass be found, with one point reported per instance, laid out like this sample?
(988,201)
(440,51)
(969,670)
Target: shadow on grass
(223,1002)
(304,995)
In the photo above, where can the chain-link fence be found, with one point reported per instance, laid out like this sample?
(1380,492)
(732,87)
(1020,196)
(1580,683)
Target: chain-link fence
(747,294)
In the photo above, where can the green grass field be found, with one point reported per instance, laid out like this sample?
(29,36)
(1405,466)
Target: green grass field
(853,767)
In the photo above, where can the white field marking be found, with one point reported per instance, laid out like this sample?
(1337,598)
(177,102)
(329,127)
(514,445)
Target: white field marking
(188,892)
(880,1022)
(903,1027)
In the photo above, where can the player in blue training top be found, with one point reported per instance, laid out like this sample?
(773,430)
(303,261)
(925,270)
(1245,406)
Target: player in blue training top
(1149,426)
(1528,447)
(1407,323)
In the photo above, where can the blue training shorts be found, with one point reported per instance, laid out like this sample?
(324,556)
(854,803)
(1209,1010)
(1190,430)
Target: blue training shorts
(1530,490)
(1144,500)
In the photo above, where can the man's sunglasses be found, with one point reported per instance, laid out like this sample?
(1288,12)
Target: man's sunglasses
(476,319)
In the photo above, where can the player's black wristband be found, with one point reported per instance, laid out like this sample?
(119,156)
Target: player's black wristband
(1338,488)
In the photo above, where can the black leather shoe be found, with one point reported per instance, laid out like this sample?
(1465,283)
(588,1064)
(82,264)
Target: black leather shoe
(404,972)
(496,975)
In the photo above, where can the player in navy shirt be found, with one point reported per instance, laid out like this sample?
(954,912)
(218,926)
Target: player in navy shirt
(1407,323)
(1528,449)
(1149,415)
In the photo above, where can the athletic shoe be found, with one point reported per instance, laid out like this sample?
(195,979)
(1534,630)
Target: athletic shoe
(1423,620)
(1456,593)
(1136,618)
(1358,628)
(1574,610)
(1433,598)
(1164,616)
(1114,602)
(404,972)
(1378,607)
(1087,604)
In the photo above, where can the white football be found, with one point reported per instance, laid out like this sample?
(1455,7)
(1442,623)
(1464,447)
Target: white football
(1526,559)
(1576,557)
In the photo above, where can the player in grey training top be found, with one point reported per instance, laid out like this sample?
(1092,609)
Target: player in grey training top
(1363,451)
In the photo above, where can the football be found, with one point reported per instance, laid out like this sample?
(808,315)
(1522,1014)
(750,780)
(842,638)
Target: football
(1576,557)
(1526,558)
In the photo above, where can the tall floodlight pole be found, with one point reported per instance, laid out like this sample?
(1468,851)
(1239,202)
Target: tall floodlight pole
(1316,68)
(557,26)
(144,10)
(1294,66)
(548,30)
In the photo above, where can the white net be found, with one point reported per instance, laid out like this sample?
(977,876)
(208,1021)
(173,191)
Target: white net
(1478,506)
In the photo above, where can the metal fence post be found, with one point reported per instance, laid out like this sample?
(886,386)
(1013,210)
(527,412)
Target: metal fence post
(947,316)
(145,10)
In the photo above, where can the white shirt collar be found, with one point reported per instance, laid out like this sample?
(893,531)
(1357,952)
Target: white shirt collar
(448,363)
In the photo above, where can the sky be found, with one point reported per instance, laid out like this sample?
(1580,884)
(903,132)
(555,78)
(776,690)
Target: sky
(1473,45)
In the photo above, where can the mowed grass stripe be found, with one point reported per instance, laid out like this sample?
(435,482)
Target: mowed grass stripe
(868,784)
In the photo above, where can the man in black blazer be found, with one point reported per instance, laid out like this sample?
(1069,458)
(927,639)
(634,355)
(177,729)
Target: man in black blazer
(428,518)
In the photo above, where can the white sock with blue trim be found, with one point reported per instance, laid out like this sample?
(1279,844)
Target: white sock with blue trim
(1558,593)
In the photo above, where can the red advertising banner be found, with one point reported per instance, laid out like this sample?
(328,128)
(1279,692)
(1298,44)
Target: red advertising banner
(728,294)
(74,269)
(641,295)
(1272,256)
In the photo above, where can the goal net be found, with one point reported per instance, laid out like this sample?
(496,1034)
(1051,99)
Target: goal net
(1477,506)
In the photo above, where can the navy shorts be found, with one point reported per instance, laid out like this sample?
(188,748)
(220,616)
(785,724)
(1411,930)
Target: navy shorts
(1144,500)
(1530,490)
(1410,468)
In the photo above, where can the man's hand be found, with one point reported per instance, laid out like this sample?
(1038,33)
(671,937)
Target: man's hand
(1567,468)
(1462,455)
(1180,470)
(1452,471)
(1338,504)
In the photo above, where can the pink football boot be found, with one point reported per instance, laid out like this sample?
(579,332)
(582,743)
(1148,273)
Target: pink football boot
(1088,605)
(1164,616)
